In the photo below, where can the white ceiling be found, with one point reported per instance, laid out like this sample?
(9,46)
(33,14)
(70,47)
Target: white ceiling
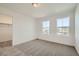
(43,10)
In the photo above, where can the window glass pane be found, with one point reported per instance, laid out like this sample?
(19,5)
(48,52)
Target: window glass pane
(66,22)
(59,22)
(45,23)
(45,27)
(63,26)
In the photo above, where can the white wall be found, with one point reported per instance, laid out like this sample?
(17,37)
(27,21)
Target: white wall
(53,37)
(23,26)
(23,29)
(77,29)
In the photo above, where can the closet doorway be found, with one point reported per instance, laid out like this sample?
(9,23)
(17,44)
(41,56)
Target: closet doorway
(5,31)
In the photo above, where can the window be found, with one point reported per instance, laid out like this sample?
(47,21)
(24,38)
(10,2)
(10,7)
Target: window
(45,27)
(63,26)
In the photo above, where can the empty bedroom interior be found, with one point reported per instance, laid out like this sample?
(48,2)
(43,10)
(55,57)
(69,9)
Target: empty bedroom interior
(39,29)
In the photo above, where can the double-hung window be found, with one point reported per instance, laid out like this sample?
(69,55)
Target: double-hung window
(46,27)
(63,25)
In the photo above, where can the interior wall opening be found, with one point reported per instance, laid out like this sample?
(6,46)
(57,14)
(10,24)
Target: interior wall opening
(5,30)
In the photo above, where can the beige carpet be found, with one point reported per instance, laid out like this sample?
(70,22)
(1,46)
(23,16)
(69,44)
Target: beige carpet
(38,48)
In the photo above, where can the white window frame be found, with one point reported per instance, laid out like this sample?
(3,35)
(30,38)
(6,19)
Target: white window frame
(46,27)
(63,29)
